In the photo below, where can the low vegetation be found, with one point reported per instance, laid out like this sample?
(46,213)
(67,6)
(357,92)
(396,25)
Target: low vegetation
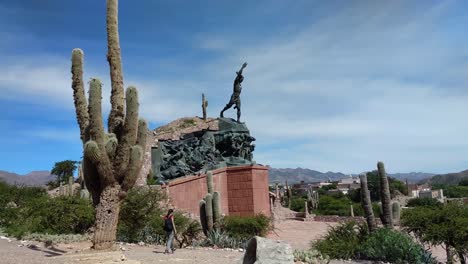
(246,227)
(351,240)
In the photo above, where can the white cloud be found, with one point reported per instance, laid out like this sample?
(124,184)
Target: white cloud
(367,82)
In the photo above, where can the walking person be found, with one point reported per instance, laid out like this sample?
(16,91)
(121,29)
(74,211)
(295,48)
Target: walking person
(170,229)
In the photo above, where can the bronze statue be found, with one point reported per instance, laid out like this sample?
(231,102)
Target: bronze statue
(235,97)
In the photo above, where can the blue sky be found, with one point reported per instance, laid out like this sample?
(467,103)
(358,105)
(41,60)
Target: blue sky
(331,85)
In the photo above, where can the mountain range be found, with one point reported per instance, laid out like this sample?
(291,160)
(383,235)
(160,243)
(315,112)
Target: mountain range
(307,175)
(276,175)
(34,178)
(449,178)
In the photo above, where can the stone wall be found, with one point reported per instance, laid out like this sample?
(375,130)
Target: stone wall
(243,189)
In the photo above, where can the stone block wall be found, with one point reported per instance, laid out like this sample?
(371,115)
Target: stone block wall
(243,189)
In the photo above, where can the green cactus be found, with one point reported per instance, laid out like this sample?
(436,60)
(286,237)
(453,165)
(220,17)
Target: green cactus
(112,159)
(212,205)
(203,221)
(209,182)
(385,196)
(70,185)
(209,211)
(396,211)
(366,203)
(204,106)
(216,209)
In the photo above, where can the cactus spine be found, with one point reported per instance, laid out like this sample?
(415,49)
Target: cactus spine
(204,106)
(210,207)
(366,203)
(385,196)
(396,213)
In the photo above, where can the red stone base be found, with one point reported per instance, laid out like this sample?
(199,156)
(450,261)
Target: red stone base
(243,190)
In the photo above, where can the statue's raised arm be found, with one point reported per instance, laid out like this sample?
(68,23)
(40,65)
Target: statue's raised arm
(242,68)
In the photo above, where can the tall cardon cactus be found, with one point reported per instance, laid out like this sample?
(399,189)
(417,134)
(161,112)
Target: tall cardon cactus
(367,204)
(210,207)
(385,196)
(112,159)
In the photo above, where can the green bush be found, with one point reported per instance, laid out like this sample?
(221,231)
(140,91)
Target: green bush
(394,247)
(351,240)
(246,227)
(342,241)
(298,204)
(431,202)
(61,215)
(141,219)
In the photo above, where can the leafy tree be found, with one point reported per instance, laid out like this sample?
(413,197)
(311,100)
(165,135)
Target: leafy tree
(64,170)
(373,185)
(446,225)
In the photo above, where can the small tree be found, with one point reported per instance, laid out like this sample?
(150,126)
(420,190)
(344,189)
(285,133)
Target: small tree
(64,170)
(446,225)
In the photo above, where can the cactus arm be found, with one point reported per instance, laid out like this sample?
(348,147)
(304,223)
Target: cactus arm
(209,182)
(142,133)
(203,220)
(116,115)
(385,196)
(129,133)
(209,211)
(367,204)
(79,96)
(96,132)
(133,169)
(216,209)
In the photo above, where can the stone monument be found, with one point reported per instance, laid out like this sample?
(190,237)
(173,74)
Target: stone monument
(203,150)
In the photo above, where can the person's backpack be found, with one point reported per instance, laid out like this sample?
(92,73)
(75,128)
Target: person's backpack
(168,224)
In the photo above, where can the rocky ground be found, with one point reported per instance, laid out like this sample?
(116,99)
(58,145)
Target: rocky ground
(297,233)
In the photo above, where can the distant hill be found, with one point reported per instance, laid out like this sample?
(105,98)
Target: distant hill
(413,177)
(449,178)
(34,178)
(299,174)
(307,175)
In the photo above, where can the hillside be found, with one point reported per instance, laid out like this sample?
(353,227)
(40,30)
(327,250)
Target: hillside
(449,178)
(300,174)
(34,178)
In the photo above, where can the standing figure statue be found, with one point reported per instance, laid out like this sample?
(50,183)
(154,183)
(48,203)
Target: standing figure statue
(235,97)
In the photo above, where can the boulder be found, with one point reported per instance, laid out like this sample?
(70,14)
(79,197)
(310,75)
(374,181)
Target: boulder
(266,251)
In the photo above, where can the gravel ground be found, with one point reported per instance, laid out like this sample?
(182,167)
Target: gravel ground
(297,233)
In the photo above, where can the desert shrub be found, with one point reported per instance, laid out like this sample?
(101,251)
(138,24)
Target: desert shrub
(141,219)
(342,241)
(309,256)
(221,239)
(140,207)
(337,204)
(392,246)
(297,204)
(431,202)
(246,227)
(61,215)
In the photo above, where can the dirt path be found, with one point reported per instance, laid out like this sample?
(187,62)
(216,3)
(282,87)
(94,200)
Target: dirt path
(298,233)
(15,252)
